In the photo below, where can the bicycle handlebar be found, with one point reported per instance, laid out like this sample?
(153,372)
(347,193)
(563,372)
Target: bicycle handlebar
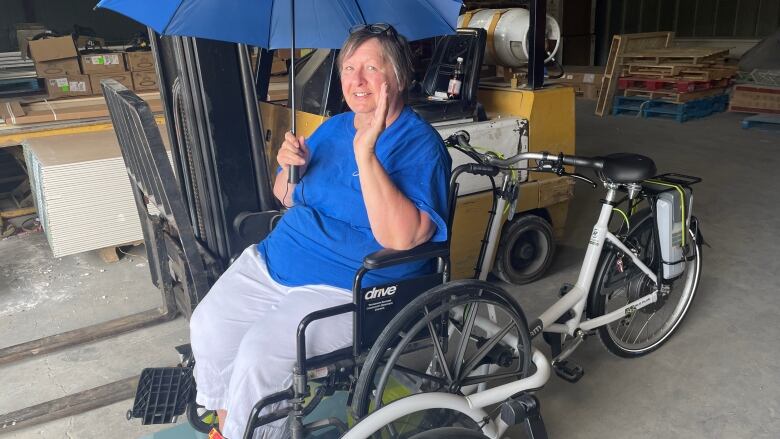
(462,139)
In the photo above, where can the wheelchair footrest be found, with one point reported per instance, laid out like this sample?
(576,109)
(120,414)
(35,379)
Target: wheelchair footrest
(568,370)
(162,394)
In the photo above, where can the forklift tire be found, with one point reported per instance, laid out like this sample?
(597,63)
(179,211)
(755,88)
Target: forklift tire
(525,250)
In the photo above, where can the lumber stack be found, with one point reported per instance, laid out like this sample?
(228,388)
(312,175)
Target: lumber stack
(15,113)
(82,192)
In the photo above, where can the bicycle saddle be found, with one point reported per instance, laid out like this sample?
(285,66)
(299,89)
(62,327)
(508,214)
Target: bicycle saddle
(623,167)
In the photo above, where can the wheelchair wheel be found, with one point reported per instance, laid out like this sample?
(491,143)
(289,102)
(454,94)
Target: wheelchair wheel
(452,338)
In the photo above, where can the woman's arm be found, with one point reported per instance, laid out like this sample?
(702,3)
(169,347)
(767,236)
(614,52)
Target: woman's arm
(395,221)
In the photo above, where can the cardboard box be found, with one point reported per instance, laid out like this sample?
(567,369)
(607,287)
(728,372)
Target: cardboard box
(103,63)
(140,61)
(52,48)
(586,81)
(748,98)
(278,66)
(145,81)
(70,85)
(57,67)
(125,79)
(24,33)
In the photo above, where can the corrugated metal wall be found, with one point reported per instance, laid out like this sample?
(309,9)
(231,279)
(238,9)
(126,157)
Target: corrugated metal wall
(694,18)
(740,21)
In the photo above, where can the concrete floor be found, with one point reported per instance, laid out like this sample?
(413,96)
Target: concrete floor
(716,378)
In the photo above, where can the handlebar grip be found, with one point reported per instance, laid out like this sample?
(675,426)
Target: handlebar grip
(583,162)
(480,169)
(294,175)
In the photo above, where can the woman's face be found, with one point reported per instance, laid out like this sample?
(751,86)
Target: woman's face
(362,76)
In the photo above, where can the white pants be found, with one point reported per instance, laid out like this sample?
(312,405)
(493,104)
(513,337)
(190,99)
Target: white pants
(243,337)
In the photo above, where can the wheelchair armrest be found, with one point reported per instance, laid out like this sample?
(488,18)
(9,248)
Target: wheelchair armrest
(388,257)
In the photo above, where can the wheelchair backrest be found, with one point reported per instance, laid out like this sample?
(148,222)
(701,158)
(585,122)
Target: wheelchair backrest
(377,305)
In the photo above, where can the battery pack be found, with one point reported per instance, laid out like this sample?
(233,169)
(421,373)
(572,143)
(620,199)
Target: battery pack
(673,212)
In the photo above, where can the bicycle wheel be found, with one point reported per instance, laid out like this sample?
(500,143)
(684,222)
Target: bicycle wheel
(619,281)
(480,335)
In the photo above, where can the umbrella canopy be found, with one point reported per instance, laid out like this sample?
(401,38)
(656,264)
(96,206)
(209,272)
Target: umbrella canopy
(266,23)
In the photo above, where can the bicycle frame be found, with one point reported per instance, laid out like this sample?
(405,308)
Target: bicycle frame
(576,298)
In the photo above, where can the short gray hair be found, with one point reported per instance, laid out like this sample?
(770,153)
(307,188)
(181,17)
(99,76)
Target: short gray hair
(395,49)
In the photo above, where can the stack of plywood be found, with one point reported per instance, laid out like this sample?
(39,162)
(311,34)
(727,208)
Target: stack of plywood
(82,192)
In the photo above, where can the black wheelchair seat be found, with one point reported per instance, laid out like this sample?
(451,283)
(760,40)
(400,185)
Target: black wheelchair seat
(627,168)
(330,358)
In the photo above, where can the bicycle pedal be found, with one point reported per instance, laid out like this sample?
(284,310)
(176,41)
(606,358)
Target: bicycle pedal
(163,394)
(565,289)
(568,370)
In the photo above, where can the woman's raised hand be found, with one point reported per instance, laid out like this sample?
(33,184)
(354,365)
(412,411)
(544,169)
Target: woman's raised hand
(367,134)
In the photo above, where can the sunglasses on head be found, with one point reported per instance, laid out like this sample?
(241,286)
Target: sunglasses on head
(376,28)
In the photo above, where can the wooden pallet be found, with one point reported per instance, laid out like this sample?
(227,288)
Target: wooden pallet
(674,96)
(681,112)
(682,72)
(625,44)
(676,55)
(762,122)
(671,84)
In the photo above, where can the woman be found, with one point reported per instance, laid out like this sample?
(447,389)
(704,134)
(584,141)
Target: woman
(376,177)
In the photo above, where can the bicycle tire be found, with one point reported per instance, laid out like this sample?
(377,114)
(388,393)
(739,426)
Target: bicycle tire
(636,284)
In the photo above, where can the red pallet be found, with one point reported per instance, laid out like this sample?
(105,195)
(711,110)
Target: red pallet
(677,85)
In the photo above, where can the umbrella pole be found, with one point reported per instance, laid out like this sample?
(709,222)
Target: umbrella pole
(294,178)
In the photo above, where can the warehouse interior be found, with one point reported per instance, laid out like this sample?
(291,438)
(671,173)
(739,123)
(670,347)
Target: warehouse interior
(87,302)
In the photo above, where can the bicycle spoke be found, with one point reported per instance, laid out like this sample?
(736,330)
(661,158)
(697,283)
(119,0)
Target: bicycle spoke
(470,316)
(483,351)
(422,375)
(643,327)
(439,351)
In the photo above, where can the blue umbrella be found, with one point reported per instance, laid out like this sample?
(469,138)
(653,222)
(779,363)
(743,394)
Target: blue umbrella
(274,24)
(266,23)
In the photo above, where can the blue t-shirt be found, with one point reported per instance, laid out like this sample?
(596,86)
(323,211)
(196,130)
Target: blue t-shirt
(325,236)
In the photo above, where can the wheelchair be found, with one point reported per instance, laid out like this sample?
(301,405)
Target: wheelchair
(426,336)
